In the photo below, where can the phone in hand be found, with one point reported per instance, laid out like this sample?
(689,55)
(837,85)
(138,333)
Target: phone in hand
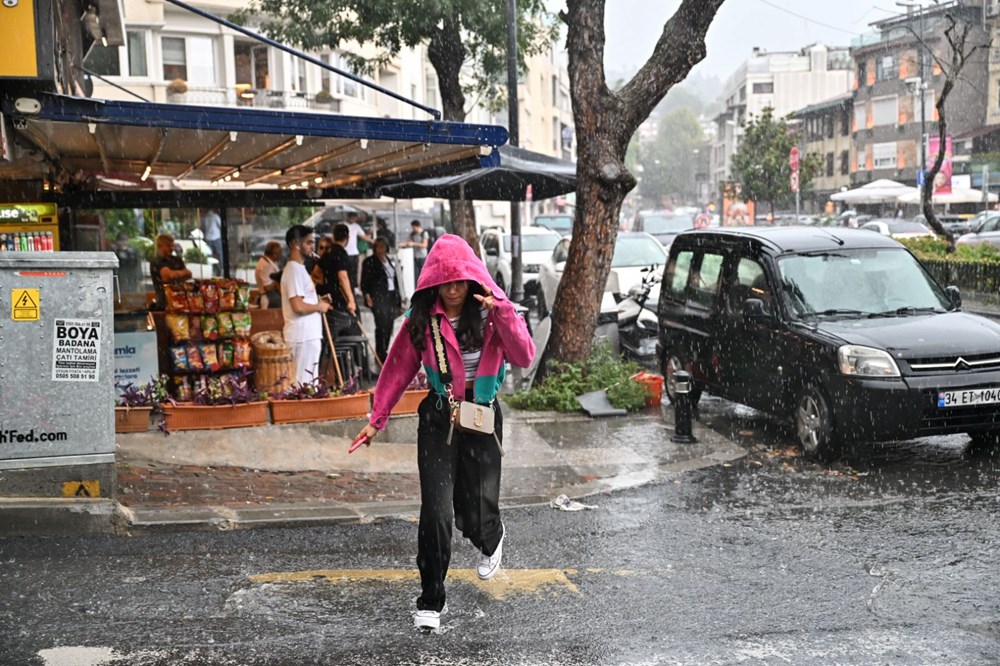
(362,439)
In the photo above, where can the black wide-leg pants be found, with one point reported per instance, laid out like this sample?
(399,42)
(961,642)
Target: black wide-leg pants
(459,482)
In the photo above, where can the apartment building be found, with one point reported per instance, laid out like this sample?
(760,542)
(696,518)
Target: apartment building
(899,81)
(783,81)
(825,129)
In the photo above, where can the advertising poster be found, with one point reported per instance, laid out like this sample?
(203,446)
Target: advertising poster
(735,211)
(942,183)
(136,361)
(76,354)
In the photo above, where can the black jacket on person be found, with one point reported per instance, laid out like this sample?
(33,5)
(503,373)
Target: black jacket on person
(375,282)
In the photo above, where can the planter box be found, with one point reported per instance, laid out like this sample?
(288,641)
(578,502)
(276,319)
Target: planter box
(410,401)
(132,419)
(320,409)
(216,417)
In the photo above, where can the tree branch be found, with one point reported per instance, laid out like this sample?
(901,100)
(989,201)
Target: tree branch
(681,46)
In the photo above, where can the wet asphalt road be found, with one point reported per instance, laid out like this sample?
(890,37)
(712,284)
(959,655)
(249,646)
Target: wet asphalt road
(889,557)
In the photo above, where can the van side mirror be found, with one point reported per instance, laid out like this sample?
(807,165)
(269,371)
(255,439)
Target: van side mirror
(754,311)
(954,296)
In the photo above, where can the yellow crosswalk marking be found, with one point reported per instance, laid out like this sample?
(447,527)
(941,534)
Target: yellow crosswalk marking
(507,583)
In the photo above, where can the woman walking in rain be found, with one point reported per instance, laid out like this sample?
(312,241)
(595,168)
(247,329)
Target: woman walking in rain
(460,328)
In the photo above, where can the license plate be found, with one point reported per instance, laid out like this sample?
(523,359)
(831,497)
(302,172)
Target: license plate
(972,397)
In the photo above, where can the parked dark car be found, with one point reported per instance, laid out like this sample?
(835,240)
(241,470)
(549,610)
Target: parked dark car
(956,224)
(841,329)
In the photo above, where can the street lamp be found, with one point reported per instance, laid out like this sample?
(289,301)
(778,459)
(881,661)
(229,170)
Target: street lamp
(921,86)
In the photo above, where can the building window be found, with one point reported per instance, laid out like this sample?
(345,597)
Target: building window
(845,162)
(861,116)
(928,103)
(346,86)
(829,165)
(884,155)
(886,67)
(136,42)
(862,72)
(431,87)
(555,91)
(189,58)
(845,123)
(299,80)
(174,59)
(764,88)
(828,125)
(885,111)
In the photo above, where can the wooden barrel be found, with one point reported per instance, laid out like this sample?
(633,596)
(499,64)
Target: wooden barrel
(273,370)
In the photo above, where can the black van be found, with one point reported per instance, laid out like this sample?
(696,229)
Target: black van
(841,329)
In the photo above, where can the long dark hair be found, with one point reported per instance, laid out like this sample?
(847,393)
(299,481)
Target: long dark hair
(470,321)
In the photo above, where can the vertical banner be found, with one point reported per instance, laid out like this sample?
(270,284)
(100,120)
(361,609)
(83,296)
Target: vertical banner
(942,183)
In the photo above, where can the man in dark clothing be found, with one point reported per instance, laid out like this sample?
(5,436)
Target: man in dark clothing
(336,267)
(383,231)
(166,267)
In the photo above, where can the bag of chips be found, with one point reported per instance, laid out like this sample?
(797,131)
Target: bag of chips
(178,326)
(209,327)
(194,359)
(194,326)
(210,296)
(227,352)
(243,351)
(176,298)
(242,324)
(227,295)
(243,297)
(178,357)
(209,356)
(225,325)
(196,302)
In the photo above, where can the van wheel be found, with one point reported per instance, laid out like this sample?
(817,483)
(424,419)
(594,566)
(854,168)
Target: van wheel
(814,424)
(672,365)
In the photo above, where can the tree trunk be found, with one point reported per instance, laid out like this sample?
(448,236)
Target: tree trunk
(446,54)
(605,122)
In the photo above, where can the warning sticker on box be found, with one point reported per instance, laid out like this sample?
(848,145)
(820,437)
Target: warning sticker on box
(76,355)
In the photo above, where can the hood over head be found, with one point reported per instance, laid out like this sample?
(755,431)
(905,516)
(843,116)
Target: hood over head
(452,259)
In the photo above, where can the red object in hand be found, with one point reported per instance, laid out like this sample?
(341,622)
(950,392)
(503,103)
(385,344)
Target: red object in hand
(362,439)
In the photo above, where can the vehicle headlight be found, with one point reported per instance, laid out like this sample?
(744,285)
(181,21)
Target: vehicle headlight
(860,361)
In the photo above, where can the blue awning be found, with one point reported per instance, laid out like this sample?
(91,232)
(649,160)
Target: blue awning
(118,144)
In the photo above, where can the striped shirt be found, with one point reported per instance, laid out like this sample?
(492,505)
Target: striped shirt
(470,358)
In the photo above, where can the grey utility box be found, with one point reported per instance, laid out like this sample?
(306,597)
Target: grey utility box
(56,373)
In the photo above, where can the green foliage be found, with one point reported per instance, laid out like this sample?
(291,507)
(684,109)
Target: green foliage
(761,162)
(144,247)
(194,255)
(937,249)
(565,381)
(477,27)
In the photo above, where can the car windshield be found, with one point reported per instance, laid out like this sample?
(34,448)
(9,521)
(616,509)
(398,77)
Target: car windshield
(664,224)
(534,242)
(556,222)
(859,283)
(637,251)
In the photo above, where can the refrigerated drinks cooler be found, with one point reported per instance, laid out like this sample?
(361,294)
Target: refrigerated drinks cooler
(29,228)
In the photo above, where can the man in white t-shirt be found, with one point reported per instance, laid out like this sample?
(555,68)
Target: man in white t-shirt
(357,232)
(301,307)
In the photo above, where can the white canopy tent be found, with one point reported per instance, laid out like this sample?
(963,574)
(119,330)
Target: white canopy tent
(875,192)
(956,196)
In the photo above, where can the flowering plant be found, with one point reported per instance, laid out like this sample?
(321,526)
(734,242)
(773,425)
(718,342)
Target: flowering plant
(231,389)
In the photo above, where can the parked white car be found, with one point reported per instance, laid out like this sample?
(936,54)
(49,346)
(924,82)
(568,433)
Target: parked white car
(899,229)
(536,249)
(634,251)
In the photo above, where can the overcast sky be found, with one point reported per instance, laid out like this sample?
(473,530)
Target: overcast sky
(633,27)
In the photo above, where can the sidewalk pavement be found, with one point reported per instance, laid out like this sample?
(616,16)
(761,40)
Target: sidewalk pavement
(298,475)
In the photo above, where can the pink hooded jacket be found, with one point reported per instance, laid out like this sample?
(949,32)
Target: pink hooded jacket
(505,335)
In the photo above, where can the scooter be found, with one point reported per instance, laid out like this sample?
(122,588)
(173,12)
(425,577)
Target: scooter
(638,324)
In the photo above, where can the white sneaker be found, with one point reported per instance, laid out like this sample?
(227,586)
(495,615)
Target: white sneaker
(429,619)
(490,564)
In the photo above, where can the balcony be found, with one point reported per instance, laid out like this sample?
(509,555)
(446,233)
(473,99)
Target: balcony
(253,97)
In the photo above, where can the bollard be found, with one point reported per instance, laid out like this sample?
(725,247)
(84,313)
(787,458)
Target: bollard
(682,408)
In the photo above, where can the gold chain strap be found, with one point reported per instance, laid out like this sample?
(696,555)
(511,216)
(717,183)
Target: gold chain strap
(442,359)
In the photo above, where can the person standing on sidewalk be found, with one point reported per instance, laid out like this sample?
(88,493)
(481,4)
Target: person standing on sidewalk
(357,233)
(212,228)
(462,329)
(300,305)
(419,240)
(378,283)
